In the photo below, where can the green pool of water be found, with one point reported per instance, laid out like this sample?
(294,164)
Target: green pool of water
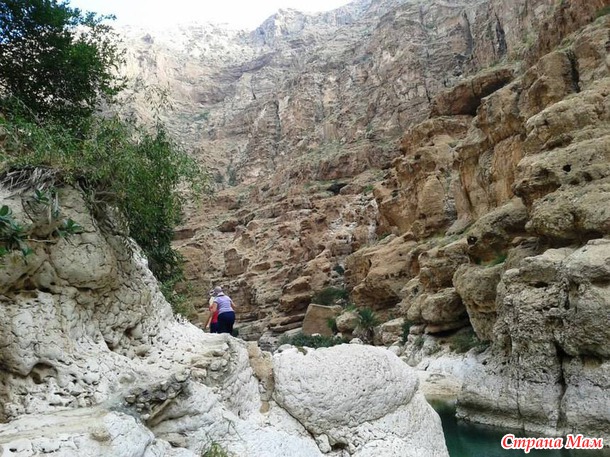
(465,439)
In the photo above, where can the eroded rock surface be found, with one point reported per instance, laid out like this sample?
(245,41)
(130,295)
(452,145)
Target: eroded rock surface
(374,412)
(94,363)
(527,190)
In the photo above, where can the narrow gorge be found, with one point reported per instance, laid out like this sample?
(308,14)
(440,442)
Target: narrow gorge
(430,178)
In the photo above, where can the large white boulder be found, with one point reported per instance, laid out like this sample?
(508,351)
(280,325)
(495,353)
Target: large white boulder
(360,398)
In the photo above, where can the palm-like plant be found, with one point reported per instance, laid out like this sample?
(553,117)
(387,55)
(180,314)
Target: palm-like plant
(367,321)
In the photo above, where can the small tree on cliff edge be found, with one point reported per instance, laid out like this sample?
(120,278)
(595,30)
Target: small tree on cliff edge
(56,61)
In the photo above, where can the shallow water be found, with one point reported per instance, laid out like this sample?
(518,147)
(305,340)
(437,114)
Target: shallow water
(465,439)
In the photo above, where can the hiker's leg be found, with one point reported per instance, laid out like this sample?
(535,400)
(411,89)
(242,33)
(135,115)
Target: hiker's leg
(230,322)
(222,323)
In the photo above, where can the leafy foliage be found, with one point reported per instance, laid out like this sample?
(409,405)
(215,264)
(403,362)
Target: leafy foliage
(215,450)
(232,176)
(367,318)
(367,321)
(329,296)
(56,61)
(57,64)
(603,11)
(179,301)
(118,164)
(406,329)
(331,322)
(368,189)
(69,227)
(15,236)
(464,341)
(339,269)
(12,234)
(318,341)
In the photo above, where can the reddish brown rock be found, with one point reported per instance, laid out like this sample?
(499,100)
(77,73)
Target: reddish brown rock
(465,97)
(417,196)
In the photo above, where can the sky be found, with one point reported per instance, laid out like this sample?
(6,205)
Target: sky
(246,14)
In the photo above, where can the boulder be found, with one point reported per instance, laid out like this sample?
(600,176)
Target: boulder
(317,318)
(385,415)
(347,322)
(390,332)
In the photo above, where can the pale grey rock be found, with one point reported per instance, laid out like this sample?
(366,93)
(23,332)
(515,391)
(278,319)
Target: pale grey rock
(98,365)
(396,349)
(476,286)
(347,322)
(585,402)
(442,374)
(389,332)
(86,432)
(547,370)
(381,413)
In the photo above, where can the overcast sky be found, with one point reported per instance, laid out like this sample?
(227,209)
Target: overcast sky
(238,13)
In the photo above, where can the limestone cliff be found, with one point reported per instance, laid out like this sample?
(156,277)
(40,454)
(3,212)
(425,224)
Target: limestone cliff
(93,363)
(444,161)
(501,218)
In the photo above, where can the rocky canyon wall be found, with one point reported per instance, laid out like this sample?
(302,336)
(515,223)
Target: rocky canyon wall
(94,363)
(499,180)
(501,222)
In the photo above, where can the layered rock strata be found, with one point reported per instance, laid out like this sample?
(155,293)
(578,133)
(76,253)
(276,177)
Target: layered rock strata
(297,121)
(517,236)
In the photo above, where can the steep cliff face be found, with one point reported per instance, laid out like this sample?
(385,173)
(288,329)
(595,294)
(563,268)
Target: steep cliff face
(304,101)
(303,88)
(516,200)
(499,179)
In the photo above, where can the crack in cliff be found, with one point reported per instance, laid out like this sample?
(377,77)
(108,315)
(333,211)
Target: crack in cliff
(501,36)
(574,71)
(468,33)
(562,420)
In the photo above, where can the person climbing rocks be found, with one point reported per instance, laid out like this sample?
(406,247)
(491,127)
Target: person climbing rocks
(213,319)
(226,311)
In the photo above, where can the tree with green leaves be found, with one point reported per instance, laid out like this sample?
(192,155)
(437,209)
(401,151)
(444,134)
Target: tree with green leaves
(57,64)
(56,61)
